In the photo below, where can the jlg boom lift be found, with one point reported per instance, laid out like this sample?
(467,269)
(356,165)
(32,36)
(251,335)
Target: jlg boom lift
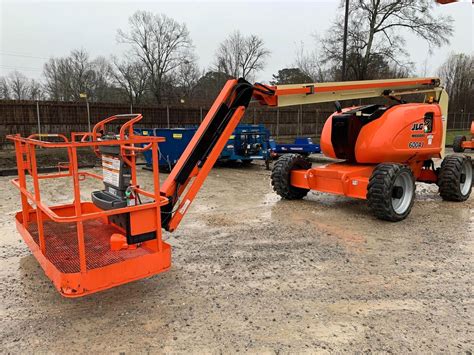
(460,143)
(85,247)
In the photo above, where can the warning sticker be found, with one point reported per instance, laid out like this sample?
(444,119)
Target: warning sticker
(177,135)
(111,170)
(185,206)
(110,162)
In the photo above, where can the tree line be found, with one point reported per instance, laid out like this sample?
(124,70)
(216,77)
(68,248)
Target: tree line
(160,64)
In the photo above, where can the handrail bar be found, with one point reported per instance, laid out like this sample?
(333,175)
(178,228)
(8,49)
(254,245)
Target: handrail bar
(85,216)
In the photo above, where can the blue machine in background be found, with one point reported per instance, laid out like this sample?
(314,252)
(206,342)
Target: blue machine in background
(302,145)
(247,143)
(171,149)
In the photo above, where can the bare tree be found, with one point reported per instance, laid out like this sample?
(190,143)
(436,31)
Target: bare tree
(81,73)
(67,78)
(101,80)
(374,34)
(19,85)
(241,56)
(4,89)
(457,74)
(132,77)
(35,91)
(187,77)
(309,63)
(54,79)
(160,42)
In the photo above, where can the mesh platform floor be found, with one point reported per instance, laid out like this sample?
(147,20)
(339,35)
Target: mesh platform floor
(62,246)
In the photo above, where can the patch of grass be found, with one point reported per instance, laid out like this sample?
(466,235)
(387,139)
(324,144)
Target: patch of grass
(451,134)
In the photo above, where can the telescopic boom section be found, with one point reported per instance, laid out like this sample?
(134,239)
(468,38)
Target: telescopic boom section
(202,152)
(304,94)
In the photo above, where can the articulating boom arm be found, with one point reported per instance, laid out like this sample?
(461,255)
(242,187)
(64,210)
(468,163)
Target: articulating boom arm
(202,152)
(200,155)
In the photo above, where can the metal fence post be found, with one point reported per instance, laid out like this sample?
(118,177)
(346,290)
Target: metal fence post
(38,118)
(300,126)
(278,124)
(317,123)
(200,114)
(454,121)
(254,115)
(168,116)
(88,115)
(131,107)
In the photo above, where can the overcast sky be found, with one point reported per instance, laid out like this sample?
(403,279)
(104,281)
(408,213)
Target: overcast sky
(32,31)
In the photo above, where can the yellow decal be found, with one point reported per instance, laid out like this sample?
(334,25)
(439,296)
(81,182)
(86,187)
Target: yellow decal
(177,135)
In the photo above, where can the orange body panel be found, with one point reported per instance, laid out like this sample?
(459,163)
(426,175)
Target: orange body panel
(337,178)
(468,144)
(349,179)
(396,136)
(143,222)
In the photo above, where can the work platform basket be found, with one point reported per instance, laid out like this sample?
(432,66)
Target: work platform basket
(72,242)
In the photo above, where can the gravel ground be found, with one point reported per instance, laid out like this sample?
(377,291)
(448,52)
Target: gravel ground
(253,273)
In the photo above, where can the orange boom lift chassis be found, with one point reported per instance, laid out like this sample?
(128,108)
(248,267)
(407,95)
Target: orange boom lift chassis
(115,238)
(460,143)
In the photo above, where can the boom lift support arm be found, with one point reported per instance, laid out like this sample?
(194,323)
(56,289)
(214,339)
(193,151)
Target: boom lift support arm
(202,152)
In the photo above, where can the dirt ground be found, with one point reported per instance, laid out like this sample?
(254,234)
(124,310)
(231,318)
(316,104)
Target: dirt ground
(253,273)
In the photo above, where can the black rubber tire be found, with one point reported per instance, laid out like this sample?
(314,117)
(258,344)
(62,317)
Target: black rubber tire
(457,144)
(281,176)
(449,178)
(380,190)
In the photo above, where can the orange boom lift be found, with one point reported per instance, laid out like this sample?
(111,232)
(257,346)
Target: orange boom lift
(88,246)
(460,143)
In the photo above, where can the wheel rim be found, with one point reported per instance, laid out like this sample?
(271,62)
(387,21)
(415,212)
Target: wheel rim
(401,201)
(466,176)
